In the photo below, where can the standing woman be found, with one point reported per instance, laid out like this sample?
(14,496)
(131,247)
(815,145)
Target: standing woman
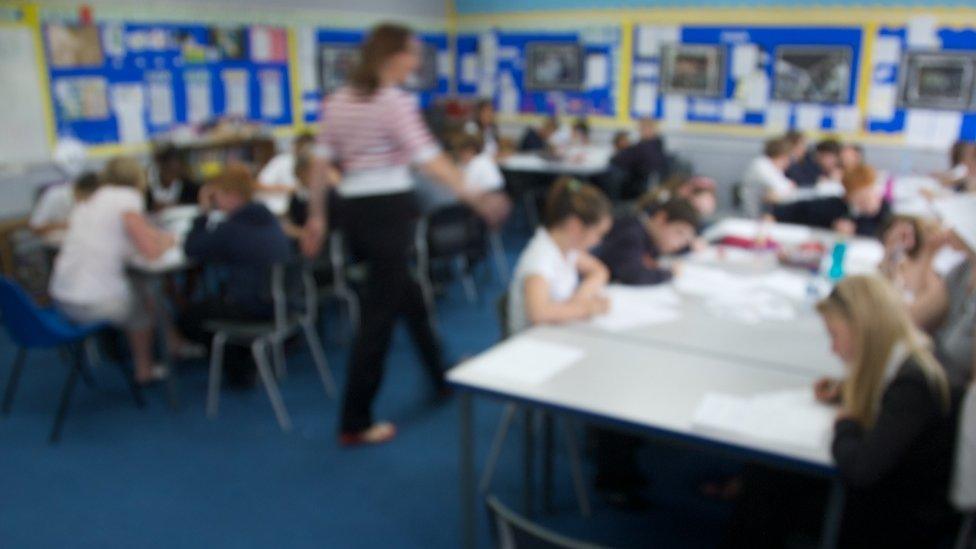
(372,133)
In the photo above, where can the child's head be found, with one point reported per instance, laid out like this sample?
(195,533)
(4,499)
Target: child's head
(827,154)
(170,163)
(865,318)
(797,144)
(85,186)
(851,156)
(581,131)
(466,147)
(580,211)
(672,224)
(621,140)
(303,140)
(549,126)
(484,113)
(861,190)
(123,171)
(233,187)
(778,150)
(698,189)
(905,233)
(647,128)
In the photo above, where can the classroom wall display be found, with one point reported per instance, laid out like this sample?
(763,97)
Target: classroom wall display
(553,66)
(335,65)
(425,77)
(942,80)
(812,74)
(468,66)
(693,69)
(153,77)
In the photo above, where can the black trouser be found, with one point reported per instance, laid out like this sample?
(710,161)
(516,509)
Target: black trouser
(380,232)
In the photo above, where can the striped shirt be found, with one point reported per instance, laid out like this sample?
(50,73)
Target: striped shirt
(374,140)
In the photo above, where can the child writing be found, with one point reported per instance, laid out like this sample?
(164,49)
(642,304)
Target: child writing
(53,209)
(556,279)
(862,210)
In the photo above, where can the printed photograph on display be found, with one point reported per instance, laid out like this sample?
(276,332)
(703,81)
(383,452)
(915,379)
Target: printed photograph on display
(553,66)
(231,42)
(693,69)
(336,63)
(938,80)
(812,74)
(71,46)
(425,78)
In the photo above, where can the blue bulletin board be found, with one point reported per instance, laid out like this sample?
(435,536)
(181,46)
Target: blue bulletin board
(154,77)
(467,64)
(597,95)
(748,91)
(311,100)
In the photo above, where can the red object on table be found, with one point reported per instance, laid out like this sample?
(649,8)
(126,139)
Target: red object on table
(749,243)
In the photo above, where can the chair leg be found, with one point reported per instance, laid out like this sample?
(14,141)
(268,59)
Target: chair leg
(130,380)
(92,355)
(318,356)
(67,357)
(508,417)
(216,365)
(62,412)
(467,281)
(498,255)
(270,386)
(576,467)
(13,380)
(278,356)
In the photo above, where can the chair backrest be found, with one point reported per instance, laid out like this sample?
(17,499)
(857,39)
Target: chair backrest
(512,531)
(26,323)
(501,306)
(454,230)
(31,263)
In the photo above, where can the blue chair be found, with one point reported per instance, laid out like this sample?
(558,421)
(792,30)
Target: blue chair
(33,327)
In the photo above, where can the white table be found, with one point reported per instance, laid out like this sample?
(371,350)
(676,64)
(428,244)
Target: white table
(650,390)
(584,162)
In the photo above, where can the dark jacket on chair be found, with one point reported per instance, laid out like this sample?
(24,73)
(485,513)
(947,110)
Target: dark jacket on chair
(823,212)
(897,472)
(246,244)
(630,254)
(642,159)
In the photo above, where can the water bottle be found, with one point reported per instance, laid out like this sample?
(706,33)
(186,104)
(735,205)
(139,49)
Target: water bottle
(837,261)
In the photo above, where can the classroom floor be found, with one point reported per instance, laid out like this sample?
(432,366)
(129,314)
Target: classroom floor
(123,477)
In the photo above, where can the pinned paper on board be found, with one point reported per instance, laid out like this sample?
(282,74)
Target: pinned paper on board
(777,117)
(932,129)
(268,44)
(733,112)
(444,64)
(469,68)
(307,66)
(887,50)
(651,37)
(648,70)
(675,111)
(160,84)
(644,100)
(235,91)
(847,118)
(199,104)
(809,117)
(597,69)
(882,100)
(706,108)
(923,33)
(113,39)
(82,98)
(128,104)
(745,59)
(753,91)
(272,94)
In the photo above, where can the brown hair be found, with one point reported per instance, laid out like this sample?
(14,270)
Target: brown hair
(467,142)
(235,178)
(677,209)
(383,42)
(958,152)
(917,227)
(777,147)
(123,171)
(572,198)
(793,138)
(828,146)
(858,178)
(86,185)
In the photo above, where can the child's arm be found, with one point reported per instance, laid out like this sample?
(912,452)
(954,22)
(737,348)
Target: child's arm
(541,309)
(595,276)
(148,240)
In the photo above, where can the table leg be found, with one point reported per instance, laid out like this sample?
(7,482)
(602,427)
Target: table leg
(548,457)
(832,518)
(528,471)
(467,487)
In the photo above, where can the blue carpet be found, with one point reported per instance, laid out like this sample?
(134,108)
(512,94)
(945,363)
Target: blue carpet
(123,477)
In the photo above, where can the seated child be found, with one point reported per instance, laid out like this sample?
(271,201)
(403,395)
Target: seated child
(621,140)
(910,245)
(556,279)
(172,185)
(765,184)
(822,163)
(633,247)
(54,207)
(862,210)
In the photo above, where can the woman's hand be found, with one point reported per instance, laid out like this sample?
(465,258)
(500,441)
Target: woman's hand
(312,236)
(492,207)
(827,390)
(845,227)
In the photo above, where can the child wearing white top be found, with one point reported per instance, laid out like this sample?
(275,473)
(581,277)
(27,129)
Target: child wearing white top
(89,282)
(53,208)
(556,279)
(764,182)
(277,181)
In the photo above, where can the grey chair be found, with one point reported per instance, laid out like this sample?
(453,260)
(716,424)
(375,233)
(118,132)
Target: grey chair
(451,233)
(967,532)
(290,317)
(512,531)
(333,283)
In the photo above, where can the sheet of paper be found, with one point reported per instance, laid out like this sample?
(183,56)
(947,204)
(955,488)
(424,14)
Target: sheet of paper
(469,68)
(160,84)
(634,307)
(777,117)
(260,43)
(128,104)
(306,58)
(706,108)
(749,229)
(675,111)
(199,104)
(733,112)
(753,91)
(644,100)
(651,37)
(525,360)
(597,71)
(956,212)
(809,117)
(272,94)
(847,118)
(488,57)
(791,284)
(236,97)
(444,64)
(887,50)
(882,99)
(923,32)
(745,59)
(113,39)
(647,69)
(932,129)
(790,417)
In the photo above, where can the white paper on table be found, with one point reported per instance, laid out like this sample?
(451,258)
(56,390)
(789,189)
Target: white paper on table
(863,256)
(753,91)
(596,71)
(128,104)
(444,64)
(644,101)
(745,59)
(791,284)
(923,32)
(525,360)
(777,116)
(647,69)
(236,99)
(789,417)
(887,50)
(636,306)
(847,118)
(272,94)
(469,68)
(198,100)
(704,281)
(651,37)
(809,117)
(733,112)
(956,213)
(947,259)
(675,111)
(882,99)
(306,58)
(160,85)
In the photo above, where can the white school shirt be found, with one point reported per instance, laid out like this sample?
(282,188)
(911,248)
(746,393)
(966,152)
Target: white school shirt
(280,170)
(761,177)
(488,138)
(54,206)
(481,174)
(90,267)
(541,257)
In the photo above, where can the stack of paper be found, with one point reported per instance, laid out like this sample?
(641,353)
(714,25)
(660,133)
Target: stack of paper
(634,307)
(525,360)
(792,417)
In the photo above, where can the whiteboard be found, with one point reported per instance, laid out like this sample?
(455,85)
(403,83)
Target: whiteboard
(24,138)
